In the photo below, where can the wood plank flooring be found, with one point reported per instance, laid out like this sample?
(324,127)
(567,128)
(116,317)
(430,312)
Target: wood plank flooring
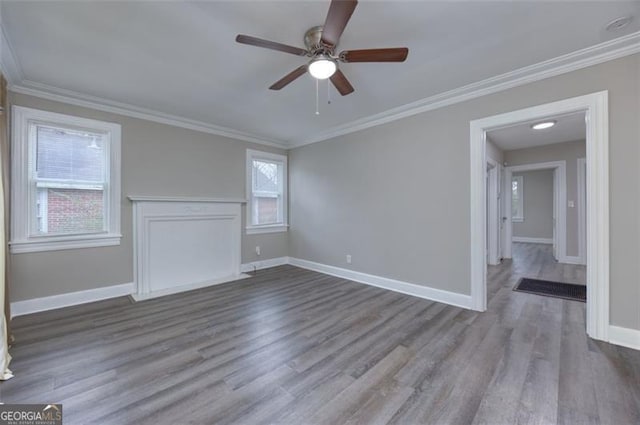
(291,346)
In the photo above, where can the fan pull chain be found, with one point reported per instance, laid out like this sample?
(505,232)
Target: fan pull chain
(328,92)
(317,101)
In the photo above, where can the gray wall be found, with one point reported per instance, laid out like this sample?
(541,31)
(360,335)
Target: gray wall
(537,205)
(157,159)
(569,152)
(396,196)
(494,152)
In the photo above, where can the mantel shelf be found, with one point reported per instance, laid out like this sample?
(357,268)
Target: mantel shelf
(136,198)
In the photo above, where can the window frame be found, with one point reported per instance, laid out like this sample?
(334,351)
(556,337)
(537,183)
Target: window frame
(268,157)
(518,218)
(23,151)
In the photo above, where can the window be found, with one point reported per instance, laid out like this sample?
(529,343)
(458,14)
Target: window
(267,192)
(517,210)
(66,182)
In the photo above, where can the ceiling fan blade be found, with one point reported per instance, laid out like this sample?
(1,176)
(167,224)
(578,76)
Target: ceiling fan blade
(398,54)
(341,83)
(339,13)
(289,77)
(258,42)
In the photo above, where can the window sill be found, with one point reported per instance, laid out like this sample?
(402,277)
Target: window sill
(517,220)
(256,230)
(64,242)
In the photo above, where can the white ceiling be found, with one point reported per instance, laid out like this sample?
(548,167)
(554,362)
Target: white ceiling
(568,128)
(180,58)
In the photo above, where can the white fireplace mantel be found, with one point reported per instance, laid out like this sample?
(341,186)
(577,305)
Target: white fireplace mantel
(184,243)
(136,198)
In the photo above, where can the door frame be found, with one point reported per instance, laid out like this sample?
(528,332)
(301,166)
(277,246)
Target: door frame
(493,219)
(582,211)
(559,205)
(595,107)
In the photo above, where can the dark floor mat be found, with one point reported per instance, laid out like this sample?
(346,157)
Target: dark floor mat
(548,288)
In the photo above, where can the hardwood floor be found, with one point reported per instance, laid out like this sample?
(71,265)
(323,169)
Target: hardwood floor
(291,346)
(536,261)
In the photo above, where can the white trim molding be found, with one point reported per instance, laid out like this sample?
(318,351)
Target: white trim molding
(54,302)
(136,296)
(582,211)
(140,198)
(524,239)
(263,264)
(272,228)
(583,58)
(571,259)
(282,224)
(23,153)
(625,337)
(20,308)
(183,245)
(426,292)
(75,242)
(56,94)
(494,220)
(595,107)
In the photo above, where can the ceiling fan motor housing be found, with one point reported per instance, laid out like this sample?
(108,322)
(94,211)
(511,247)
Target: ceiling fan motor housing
(312,40)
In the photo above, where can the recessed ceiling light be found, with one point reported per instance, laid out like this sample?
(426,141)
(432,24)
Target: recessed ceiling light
(543,125)
(619,23)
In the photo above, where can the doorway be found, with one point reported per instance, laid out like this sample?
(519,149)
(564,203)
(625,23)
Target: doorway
(559,207)
(595,108)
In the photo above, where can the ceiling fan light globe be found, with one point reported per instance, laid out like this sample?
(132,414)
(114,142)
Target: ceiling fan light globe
(322,68)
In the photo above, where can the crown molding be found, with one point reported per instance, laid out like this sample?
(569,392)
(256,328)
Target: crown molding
(57,94)
(9,65)
(593,55)
(10,68)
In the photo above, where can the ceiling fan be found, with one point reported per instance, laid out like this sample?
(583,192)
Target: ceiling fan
(321,43)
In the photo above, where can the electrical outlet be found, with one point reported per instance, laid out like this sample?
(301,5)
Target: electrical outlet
(348,258)
(572,204)
(258,251)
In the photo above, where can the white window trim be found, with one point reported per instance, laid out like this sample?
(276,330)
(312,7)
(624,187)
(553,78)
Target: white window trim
(267,228)
(520,218)
(21,241)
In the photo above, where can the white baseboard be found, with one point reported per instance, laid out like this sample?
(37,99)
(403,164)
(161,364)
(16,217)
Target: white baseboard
(452,298)
(263,264)
(20,308)
(531,240)
(625,337)
(35,305)
(569,259)
(188,287)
